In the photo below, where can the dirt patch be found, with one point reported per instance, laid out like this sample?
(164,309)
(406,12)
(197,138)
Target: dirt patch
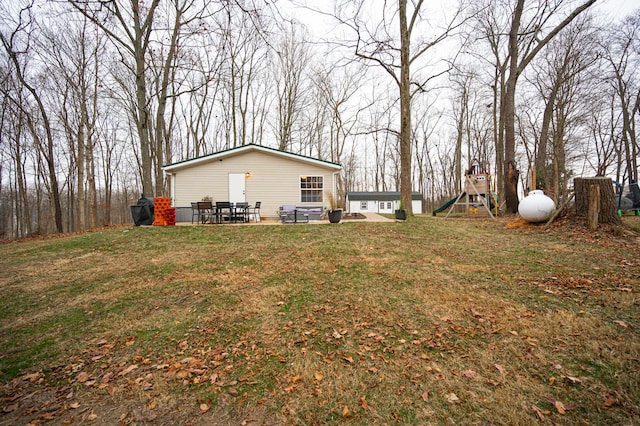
(354,216)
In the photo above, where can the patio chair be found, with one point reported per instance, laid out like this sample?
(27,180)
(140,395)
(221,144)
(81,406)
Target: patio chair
(254,212)
(240,212)
(205,211)
(195,212)
(223,210)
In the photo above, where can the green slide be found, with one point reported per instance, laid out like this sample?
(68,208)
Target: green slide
(448,204)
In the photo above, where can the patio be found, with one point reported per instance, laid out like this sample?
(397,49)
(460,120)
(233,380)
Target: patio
(368,217)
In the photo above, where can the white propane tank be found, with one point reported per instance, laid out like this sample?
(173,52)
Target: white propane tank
(536,207)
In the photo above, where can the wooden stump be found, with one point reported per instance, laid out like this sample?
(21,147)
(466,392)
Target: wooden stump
(594,207)
(608,207)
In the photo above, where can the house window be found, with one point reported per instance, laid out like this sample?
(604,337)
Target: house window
(311,188)
(363,205)
(388,205)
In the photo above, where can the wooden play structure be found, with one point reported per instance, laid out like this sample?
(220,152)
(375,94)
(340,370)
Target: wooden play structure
(477,196)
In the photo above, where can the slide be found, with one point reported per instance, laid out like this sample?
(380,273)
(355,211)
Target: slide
(448,204)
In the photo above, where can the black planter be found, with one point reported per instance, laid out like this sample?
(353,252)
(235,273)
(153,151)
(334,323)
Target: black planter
(335,215)
(401,214)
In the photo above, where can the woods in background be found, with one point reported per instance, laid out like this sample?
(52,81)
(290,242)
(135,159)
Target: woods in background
(96,97)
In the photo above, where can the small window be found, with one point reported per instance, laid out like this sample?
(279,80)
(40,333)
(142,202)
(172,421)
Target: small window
(363,205)
(311,188)
(388,205)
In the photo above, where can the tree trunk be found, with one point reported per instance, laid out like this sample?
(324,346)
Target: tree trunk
(541,171)
(405,112)
(511,172)
(608,205)
(516,67)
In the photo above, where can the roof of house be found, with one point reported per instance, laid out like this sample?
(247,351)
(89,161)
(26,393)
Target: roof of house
(247,148)
(380,196)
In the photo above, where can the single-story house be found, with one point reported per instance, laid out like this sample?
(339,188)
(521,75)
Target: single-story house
(380,202)
(252,173)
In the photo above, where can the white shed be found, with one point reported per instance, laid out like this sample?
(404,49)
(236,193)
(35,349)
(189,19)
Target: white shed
(252,173)
(380,202)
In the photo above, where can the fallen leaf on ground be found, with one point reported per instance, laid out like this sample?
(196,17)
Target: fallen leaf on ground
(452,398)
(538,412)
(33,376)
(204,407)
(560,407)
(348,358)
(499,368)
(346,412)
(363,402)
(425,396)
(573,380)
(621,323)
(469,374)
(128,370)
(319,376)
(83,377)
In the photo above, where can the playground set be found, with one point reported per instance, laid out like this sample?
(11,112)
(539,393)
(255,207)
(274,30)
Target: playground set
(477,196)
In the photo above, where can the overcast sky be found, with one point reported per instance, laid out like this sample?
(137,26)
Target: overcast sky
(618,9)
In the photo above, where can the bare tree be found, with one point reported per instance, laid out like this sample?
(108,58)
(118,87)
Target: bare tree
(621,53)
(397,47)
(606,135)
(72,62)
(524,45)
(15,152)
(244,65)
(17,45)
(292,58)
(563,82)
(133,35)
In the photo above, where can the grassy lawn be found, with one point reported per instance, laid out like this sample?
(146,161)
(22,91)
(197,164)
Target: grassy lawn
(432,321)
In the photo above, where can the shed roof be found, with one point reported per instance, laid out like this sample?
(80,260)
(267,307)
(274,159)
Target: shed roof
(247,148)
(380,196)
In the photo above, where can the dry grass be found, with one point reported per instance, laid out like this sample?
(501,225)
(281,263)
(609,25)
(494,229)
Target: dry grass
(431,321)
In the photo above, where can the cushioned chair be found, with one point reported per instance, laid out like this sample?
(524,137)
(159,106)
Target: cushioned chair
(287,213)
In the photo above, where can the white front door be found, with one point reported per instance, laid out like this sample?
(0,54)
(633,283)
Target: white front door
(237,188)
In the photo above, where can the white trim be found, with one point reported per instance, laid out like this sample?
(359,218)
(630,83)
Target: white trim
(172,186)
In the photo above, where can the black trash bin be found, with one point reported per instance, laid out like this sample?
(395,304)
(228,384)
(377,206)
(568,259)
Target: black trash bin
(143,211)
